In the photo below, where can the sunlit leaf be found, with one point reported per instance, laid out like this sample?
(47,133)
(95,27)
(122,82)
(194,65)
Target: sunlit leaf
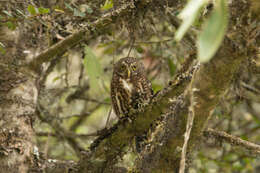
(7,13)
(59,10)
(213,33)
(188,16)
(1,44)
(108,5)
(32,10)
(156,87)
(93,69)
(43,10)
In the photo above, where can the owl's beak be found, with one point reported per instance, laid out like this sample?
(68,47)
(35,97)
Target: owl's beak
(128,73)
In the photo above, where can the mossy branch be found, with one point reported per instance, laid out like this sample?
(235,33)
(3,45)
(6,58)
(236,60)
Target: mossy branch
(233,140)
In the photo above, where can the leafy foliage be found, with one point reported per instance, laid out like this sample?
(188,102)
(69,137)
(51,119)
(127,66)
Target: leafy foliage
(213,33)
(189,15)
(214,30)
(108,5)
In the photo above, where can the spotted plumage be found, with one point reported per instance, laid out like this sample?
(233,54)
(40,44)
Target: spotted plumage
(130,87)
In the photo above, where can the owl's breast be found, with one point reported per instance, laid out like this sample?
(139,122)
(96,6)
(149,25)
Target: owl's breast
(127,85)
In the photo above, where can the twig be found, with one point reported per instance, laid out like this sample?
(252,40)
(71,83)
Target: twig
(108,117)
(154,42)
(188,130)
(250,88)
(233,140)
(71,134)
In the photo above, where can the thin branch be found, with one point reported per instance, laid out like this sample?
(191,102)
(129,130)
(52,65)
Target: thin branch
(188,130)
(154,42)
(233,140)
(250,88)
(71,134)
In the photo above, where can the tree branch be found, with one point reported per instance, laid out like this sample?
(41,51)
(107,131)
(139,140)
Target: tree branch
(233,140)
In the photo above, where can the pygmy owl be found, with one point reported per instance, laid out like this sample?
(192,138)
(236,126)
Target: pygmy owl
(130,87)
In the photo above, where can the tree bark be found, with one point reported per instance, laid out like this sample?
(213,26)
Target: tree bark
(17,106)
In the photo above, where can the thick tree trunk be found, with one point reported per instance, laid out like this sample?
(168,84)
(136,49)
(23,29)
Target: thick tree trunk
(17,106)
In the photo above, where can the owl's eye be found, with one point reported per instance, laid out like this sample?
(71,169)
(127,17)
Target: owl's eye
(133,67)
(122,67)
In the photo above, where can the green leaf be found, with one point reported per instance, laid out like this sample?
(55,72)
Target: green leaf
(68,6)
(93,69)
(156,87)
(213,33)
(89,10)
(7,13)
(108,5)
(76,12)
(20,12)
(10,25)
(32,10)
(86,8)
(43,10)
(188,16)
(172,66)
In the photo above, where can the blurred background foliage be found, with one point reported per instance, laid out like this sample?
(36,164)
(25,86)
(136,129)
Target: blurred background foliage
(77,89)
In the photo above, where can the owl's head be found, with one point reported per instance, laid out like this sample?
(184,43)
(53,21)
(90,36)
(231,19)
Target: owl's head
(129,67)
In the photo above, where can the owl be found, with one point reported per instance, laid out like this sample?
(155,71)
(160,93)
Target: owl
(130,87)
